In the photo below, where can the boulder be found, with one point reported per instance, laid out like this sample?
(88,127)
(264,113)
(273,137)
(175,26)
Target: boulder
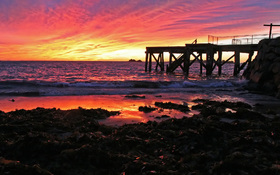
(264,70)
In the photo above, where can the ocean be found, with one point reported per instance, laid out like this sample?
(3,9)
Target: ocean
(67,84)
(102,78)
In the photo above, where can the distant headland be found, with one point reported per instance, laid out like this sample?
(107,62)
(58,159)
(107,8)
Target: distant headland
(133,60)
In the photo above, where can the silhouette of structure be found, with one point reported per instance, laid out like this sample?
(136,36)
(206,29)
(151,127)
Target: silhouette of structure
(197,52)
(270,29)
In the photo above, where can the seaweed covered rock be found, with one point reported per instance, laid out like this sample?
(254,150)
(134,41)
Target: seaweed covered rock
(15,167)
(146,109)
(170,105)
(264,71)
(51,141)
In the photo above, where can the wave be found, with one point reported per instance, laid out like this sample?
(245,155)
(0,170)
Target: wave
(40,88)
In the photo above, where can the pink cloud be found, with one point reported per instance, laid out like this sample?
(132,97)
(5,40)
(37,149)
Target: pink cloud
(58,27)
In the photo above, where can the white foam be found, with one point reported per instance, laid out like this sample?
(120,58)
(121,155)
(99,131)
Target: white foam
(218,84)
(189,84)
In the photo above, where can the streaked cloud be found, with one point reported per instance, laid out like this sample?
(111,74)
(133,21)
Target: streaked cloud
(121,29)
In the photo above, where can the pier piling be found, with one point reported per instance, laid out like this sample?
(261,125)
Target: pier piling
(181,56)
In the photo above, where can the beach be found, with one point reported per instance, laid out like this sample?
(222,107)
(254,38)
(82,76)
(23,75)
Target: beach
(136,123)
(116,87)
(225,137)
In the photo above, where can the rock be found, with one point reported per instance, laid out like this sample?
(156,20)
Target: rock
(169,105)
(270,56)
(277,50)
(264,69)
(163,117)
(274,42)
(278,94)
(44,141)
(269,86)
(15,167)
(135,96)
(277,59)
(256,77)
(275,67)
(146,109)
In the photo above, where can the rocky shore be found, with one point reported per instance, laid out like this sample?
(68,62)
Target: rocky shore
(264,71)
(225,138)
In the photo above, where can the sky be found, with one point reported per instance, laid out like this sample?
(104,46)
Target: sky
(103,30)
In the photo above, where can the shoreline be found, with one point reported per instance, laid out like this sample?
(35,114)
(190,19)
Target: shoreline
(129,106)
(224,137)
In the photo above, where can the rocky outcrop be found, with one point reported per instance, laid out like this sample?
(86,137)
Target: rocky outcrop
(264,71)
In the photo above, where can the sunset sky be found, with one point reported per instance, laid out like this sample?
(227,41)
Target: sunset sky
(121,29)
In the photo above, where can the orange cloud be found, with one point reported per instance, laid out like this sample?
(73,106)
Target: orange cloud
(120,29)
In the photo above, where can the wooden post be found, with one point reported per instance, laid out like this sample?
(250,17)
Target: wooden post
(161,62)
(236,62)
(150,62)
(250,57)
(209,60)
(220,62)
(170,58)
(187,62)
(157,61)
(201,61)
(146,61)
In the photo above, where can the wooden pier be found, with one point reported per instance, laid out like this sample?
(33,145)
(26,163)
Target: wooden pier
(190,53)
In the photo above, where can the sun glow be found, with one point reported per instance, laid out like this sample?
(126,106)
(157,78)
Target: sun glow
(124,54)
(106,30)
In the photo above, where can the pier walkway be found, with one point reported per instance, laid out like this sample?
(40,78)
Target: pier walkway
(185,56)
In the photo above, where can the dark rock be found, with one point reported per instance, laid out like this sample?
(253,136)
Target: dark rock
(265,67)
(146,109)
(163,117)
(135,96)
(275,67)
(169,105)
(51,141)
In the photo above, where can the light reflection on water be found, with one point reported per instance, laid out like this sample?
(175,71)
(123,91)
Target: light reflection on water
(92,71)
(128,107)
(68,85)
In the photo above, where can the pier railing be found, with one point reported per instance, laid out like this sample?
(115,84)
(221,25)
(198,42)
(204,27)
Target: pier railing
(239,39)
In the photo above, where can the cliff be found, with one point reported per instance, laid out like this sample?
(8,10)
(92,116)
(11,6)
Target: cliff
(264,71)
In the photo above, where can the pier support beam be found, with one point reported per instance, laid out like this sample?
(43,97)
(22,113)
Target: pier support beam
(161,60)
(200,63)
(146,61)
(187,62)
(219,62)
(181,56)
(209,60)
(170,58)
(150,62)
(236,63)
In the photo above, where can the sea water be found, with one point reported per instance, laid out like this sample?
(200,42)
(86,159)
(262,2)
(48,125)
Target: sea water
(51,78)
(68,85)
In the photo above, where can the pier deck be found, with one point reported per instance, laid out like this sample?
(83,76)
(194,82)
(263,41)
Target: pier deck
(196,51)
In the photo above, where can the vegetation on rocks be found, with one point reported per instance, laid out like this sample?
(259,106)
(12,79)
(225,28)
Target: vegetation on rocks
(217,141)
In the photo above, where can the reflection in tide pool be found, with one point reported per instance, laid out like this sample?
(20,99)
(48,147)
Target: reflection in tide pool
(127,106)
